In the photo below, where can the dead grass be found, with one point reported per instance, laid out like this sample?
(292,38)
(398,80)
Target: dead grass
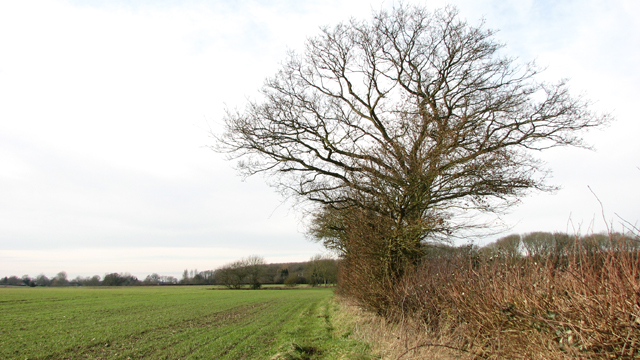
(408,340)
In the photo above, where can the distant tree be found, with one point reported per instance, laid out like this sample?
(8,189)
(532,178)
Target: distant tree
(156,279)
(626,241)
(231,275)
(508,246)
(197,279)
(443,252)
(42,280)
(12,280)
(563,243)
(539,243)
(282,274)
(112,279)
(239,272)
(321,270)
(292,280)
(77,281)
(153,279)
(194,277)
(28,281)
(185,277)
(254,265)
(60,279)
(85,281)
(244,271)
(131,280)
(169,280)
(93,281)
(115,279)
(223,276)
(207,276)
(595,243)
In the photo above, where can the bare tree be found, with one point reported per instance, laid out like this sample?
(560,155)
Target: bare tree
(538,243)
(413,116)
(246,270)
(60,279)
(231,275)
(254,265)
(509,246)
(321,269)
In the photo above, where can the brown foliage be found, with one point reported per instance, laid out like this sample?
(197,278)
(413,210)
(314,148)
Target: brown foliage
(375,254)
(587,306)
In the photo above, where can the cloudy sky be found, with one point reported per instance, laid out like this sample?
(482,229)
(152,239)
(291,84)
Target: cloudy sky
(106,109)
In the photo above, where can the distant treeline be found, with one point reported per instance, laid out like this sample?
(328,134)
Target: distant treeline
(251,271)
(545,244)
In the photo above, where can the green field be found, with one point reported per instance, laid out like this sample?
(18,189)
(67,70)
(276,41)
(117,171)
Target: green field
(159,322)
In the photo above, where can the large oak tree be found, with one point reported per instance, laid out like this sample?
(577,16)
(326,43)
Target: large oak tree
(413,116)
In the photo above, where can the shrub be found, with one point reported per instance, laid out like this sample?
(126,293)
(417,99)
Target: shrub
(292,280)
(586,305)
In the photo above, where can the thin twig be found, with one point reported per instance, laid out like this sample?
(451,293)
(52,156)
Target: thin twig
(604,218)
(637,231)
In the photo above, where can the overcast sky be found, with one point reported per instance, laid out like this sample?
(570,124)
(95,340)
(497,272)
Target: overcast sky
(106,108)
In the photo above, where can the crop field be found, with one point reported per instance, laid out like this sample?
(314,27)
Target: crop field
(158,322)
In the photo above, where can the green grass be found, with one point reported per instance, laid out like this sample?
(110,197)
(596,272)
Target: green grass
(173,323)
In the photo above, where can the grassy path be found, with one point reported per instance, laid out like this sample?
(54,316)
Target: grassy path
(173,323)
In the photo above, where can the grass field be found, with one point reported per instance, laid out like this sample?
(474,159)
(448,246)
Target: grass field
(159,322)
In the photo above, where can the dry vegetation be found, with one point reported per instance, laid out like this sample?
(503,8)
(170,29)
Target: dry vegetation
(397,131)
(580,302)
(406,340)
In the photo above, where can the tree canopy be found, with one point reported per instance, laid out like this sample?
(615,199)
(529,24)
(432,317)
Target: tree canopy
(413,116)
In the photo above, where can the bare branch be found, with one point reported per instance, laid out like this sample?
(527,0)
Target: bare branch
(413,116)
